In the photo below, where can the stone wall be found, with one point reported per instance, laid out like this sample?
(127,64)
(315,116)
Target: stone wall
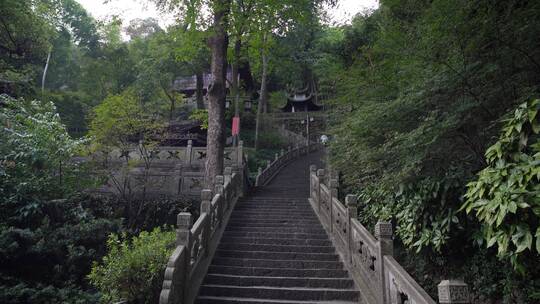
(158,172)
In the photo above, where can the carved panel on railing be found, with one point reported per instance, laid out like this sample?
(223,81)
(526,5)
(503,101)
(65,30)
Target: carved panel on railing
(401,287)
(197,245)
(364,255)
(340,222)
(217,204)
(314,186)
(325,198)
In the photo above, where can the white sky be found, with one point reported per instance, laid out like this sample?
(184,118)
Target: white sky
(132,9)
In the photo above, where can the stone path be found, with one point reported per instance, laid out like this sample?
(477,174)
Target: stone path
(274,249)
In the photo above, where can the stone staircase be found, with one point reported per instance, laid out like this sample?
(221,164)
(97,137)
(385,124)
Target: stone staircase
(275,250)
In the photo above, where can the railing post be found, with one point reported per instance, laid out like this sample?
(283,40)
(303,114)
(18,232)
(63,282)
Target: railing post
(320,178)
(189,152)
(453,292)
(259,172)
(206,207)
(352,212)
(223,204)
(184,222)
(385,246)
(227,175)
(218,184)
(333,186)
(312,171)
(240,153)
(227,179)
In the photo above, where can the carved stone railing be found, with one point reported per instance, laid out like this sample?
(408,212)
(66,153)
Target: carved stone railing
(369,258)
(196,244)
(188,156)
(280,160)
(169,171)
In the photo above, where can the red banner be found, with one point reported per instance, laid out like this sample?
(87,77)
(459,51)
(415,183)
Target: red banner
(235,125)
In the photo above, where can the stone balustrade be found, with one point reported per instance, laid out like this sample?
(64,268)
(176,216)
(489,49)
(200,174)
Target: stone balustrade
(196,243)
(169,171)
(188,156)
(280,160)
(381,279)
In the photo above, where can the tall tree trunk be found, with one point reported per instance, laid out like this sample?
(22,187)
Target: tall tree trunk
(263,99)
(199,90)
(236,81)
(217,93)
(235,74)
(45,72)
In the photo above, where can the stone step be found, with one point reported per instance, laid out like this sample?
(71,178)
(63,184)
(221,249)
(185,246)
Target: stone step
(275,221)
(233,280)
(273,225)
(273,206)
(272,241)
(277,255)
(275,235)
(282,293)
(273,212)
(234,300)
(270,208)
(269,199)
(280,199)
(310,230)
(278,272)
(261,216)
(300,264)
(278,195)
(276,248)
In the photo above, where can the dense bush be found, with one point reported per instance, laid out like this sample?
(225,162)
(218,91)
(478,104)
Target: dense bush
(419,92)
(506,196)
(133,268)
(47,243)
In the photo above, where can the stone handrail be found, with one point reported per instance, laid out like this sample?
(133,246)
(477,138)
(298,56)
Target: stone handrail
(290,136)
(188,156)
(280,160)
(296,115)
(196,244)
(370,258)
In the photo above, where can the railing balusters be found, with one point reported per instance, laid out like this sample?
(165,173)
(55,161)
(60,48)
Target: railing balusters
(370,259)
(194,240)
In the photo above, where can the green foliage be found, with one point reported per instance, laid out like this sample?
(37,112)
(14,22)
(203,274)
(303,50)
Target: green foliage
(421,221)
(506,196)
(418,89)
(23,44)
(133,269)
(48,248)
(120,120)
(36,151)
(47,243)
(200,115)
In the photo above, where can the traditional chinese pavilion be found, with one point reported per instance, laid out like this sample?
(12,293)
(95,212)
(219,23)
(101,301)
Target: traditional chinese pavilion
(301,101)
